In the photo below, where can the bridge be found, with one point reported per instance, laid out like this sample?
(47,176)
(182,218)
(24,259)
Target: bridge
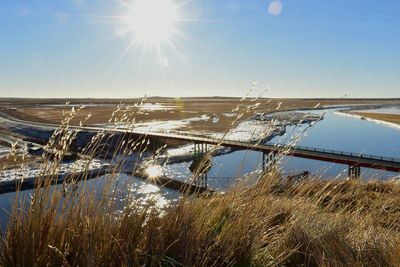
(270,151)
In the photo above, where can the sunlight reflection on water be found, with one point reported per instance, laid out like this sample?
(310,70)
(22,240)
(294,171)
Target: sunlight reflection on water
(126,190)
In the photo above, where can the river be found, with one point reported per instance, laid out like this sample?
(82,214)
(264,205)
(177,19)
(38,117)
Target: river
(335,131)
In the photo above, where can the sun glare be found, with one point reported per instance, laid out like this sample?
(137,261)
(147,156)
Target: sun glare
(152,21)
(153,171)
(152,26)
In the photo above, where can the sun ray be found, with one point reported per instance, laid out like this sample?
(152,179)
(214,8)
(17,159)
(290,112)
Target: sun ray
(148,25)
(177,53)
(124,53)
(142,54)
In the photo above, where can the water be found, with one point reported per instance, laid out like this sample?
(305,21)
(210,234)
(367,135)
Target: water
(125,185)
(343,133)
(226,170)
(349,134)
(335,132)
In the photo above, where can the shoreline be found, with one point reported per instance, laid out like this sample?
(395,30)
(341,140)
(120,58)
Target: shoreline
(348,113)
(30,183)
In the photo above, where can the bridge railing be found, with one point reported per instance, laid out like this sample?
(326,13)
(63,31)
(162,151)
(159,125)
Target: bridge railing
(304,148)
(343,153)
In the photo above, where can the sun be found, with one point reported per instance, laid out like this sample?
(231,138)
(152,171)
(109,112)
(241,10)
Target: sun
(152,26)
(152,21)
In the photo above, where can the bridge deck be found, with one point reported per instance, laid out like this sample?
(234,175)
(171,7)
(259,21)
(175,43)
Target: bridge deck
(362,160)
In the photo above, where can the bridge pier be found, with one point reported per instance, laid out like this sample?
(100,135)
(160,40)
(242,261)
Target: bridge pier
(200,165)
(354,171)
(268,161)
(201,181)
(200,149)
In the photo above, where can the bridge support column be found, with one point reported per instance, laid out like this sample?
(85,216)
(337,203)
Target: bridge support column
(202,181)
(354,171)
(199,150)
(268,161)
(200,165)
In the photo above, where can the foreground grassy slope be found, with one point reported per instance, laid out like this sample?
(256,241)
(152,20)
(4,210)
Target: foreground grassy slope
(312,223)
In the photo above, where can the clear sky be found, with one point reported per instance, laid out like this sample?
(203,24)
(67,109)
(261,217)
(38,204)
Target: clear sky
(299,48)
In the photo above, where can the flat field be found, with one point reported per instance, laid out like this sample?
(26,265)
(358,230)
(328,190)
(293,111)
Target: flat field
(393,118)
(210,114)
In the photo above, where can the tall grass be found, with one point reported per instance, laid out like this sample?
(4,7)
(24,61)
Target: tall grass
(274,223)
(335,223)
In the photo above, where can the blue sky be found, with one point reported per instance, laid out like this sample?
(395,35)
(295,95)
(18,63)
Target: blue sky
(297,48)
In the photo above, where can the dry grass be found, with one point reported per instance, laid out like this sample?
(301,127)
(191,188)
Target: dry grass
(17,161)
(33,110)
(310,223)
(393,118)
(313,223)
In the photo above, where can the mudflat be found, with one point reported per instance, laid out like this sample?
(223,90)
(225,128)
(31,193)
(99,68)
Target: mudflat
(211,114)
